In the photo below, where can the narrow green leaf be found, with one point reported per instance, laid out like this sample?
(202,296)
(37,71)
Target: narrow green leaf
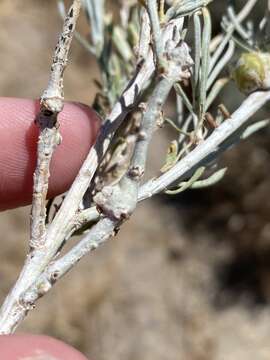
(187,184)
(254,128)
(211,180)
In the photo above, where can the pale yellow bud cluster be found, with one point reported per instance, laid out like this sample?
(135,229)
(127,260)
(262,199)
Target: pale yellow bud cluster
(252,72)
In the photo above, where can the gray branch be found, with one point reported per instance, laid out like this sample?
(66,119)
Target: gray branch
(162,62)
(209,148)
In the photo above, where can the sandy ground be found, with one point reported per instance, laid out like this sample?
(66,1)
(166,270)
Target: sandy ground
(186,279)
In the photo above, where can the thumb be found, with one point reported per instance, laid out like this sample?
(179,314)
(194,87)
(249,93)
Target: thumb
(36,347)
(18,138)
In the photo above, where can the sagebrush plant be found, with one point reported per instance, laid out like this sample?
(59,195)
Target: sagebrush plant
(155,49)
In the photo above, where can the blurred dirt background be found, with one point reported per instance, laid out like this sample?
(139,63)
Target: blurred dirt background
(187,278)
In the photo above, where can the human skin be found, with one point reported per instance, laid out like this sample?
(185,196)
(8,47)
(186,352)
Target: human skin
(36,347)
(18,140)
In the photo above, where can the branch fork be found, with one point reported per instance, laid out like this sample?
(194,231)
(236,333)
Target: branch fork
(160,68)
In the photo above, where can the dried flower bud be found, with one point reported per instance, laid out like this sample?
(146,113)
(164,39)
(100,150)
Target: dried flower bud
(252,72)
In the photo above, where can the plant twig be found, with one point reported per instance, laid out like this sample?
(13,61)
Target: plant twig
(155,25)
(115,200)
(52,102)
(14,308)
(117,203)
(209,148)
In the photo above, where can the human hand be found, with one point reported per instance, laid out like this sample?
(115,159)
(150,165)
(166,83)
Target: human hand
(36,347)
(18,141)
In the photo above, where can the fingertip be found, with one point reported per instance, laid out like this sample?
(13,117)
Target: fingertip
(18,137)
(18,347)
